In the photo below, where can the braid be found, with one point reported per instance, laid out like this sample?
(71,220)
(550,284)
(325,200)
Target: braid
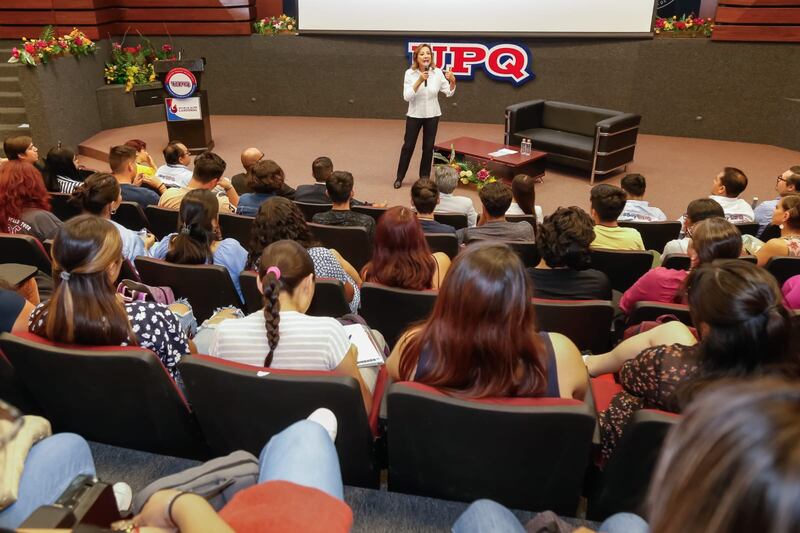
(272,317)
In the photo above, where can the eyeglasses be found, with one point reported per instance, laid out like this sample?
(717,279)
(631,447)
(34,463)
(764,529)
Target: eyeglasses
(780,178)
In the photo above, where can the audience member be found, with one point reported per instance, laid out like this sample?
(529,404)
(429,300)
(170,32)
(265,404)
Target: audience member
(495,198)
(24,202)
(280,219)
(14,310)
(713,238)
(786,183)
(249,157)
(791,292)
(122,160)
(100,195)
(84,308)
(607,204)
(447,181)
(144,162)
(725,190)
(744,330)
(787,216)
(401,257)
(265,179)
(175,172)
(637,209)
(316,193)
(60,172)
(21,148)
(198,241)
(524,192)
(425,197)
(208,170)
(282,335)
(563,273)
(340,191)
(697,211)
(488,294)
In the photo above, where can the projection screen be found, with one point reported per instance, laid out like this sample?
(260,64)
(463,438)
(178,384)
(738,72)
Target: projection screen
(623,18)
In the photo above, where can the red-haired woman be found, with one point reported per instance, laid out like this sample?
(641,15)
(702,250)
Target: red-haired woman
(401,257)
(480,340)
(25,204)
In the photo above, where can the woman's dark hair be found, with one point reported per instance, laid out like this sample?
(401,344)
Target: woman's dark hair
(265,177)
(732,463)
(400,256)
(59,162)
(716,238)
(524,193)
(481,335)
(791,205)
(564,237)
(21,188)
(196,229)
(16,145)
(277,219)
(293,265)
(95,193)
(84,308)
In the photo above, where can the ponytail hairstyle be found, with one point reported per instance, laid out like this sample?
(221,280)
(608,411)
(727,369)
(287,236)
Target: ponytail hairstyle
(84,308)
(96,193)
(196,229)
(59,162)
(791,206)
(284,264)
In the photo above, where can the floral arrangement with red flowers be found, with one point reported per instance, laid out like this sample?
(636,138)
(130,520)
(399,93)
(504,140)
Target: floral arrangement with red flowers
(32,52)
(468,172)
(686,25)
(275,25)
(133,65)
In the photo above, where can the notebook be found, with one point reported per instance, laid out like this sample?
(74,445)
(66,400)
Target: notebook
(368,353)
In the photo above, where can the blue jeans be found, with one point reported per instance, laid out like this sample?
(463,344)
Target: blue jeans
(50,467)
(624,523)
(304,454)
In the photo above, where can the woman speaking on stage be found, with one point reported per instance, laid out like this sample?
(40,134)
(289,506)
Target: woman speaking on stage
(421,87)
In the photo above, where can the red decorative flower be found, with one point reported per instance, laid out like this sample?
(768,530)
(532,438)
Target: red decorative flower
(78,41)
(30,48)
(15,53)
(130,50)
(166,48)
(659,23)
(680,25)
(116,46)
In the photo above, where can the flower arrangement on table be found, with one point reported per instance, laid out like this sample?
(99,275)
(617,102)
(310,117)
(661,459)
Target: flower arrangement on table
(468,172)
(133,65)
(687,25)
(32,52)
(275,25)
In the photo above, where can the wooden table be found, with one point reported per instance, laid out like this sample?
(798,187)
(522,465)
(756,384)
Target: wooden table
(505,167)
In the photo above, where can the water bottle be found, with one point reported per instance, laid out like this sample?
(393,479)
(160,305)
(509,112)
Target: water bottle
(525,147)
(755,202)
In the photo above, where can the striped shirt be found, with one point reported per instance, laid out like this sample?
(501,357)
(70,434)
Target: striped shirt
(67,185)
(306,342)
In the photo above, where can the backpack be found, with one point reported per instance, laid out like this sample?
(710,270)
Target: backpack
(133,291)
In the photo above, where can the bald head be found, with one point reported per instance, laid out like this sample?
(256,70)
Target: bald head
(250,156)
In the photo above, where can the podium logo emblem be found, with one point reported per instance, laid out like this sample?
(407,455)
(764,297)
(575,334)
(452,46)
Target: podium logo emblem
(180,82)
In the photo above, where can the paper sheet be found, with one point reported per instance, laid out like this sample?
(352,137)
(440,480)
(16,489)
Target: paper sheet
(501,152)
(368,354)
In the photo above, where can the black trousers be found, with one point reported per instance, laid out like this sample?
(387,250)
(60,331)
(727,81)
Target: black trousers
(413,125)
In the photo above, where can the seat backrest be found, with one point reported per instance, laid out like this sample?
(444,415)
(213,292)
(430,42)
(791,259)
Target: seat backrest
(261,402)
(328,300)
(748,228)
(527,251)
(236,227)
(59,205)
(253,299)
(623,267)
(676,261)
(446,243)
(309,210)
(623,485)
(374,212)
(353,243)
(457,220)
(13,390)
(574,118)
(587,323)
(25,250)
(163,221)
(131,215)
(784,267)
(770,232)
(207,287)
(116,395)
(530,219)
(391,311)
(525,453)
(655,235)
(650,311)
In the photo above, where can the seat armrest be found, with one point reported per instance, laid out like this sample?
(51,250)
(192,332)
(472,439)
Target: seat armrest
(378,412)
(620,122)
(523,116)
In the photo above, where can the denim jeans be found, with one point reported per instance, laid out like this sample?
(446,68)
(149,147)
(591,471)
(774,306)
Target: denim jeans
(50,467)
(304,454)
(624,523)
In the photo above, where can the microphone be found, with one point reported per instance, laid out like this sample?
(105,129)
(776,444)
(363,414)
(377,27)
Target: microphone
(426,80)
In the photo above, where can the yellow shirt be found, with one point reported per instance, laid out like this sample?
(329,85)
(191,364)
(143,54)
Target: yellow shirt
(172,197)
(146,170)
(618,238)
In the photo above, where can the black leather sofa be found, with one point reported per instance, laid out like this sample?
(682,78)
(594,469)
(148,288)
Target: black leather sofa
(589,138)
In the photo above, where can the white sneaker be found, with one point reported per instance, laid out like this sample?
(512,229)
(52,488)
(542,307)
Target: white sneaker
(325,418)
(124,496)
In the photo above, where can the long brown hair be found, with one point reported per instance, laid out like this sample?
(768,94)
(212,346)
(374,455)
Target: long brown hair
(481,335)
(93,195)
(401,256)
(524,192)
(84,308)
(196,232)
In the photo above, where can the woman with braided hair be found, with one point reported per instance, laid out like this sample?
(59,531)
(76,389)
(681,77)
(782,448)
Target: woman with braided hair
(282,335)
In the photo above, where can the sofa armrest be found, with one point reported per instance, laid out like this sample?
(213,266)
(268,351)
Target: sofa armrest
(523,116)
(620,122)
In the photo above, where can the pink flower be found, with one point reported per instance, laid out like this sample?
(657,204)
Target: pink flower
(483,174)
(116,46)
(78,41)
(659,23)
(166,48)
(680,25)
(15,52)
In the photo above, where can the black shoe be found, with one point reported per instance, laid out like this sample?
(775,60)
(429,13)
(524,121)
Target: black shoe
(398,184)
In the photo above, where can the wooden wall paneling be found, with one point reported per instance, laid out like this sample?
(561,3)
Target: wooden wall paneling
(773,15)
(28,17)
(757,33)
(759,3)
(268,8)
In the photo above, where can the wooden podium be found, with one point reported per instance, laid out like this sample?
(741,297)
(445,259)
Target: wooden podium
(195,131)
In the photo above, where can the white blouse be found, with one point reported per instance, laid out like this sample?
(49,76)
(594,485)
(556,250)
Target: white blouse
(425,102)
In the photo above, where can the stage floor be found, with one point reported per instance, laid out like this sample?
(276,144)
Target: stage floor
(677,169)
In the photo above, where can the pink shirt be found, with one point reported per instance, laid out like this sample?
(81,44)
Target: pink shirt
(791,292)
(657,285)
